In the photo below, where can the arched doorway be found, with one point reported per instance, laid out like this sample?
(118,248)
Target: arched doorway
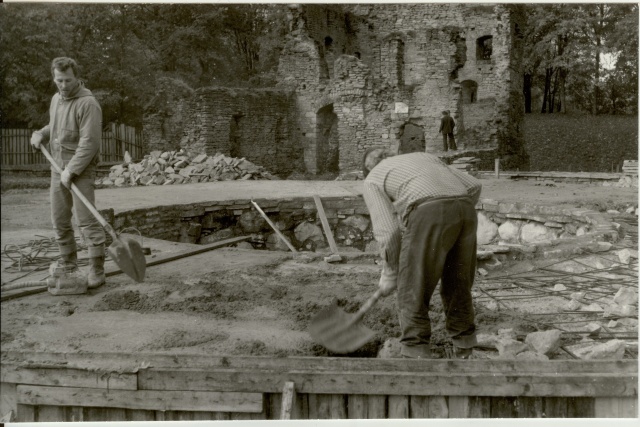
(327,143)
(412,139)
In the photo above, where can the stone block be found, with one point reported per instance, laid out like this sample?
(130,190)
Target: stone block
(216,236)
(357,221)
(626,296)
(252,222)
(536,233)
(390,349)
(613,349)
(545,342)
(508,347)
(487,230)
(620,310)
(510,231)
(531,355)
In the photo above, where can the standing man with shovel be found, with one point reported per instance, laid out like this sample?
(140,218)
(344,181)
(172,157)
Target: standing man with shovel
(74,134)
(423,215)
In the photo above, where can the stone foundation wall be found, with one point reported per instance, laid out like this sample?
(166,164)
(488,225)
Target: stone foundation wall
(531,230)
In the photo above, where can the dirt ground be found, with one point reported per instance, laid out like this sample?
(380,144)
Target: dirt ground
(246,302)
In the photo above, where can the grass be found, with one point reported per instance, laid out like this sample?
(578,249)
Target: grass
(23,180)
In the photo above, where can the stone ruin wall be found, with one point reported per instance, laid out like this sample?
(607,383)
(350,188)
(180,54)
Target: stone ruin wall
(250,123)
(361,75)
(387,71)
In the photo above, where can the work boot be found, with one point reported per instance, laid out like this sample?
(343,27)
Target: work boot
(69,262)
(96,272)
(65,276)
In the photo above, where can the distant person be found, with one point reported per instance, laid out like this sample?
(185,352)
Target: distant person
(423,216)
(74,134)
(446,128)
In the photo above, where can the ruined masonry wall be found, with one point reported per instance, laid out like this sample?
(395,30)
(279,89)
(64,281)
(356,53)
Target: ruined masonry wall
(412,62)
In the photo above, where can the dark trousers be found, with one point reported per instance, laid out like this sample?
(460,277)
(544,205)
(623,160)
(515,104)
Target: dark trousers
(452,141)
(439,243)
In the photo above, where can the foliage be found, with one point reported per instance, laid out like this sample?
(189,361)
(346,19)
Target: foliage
(564,47)
(124,48)
(580,142)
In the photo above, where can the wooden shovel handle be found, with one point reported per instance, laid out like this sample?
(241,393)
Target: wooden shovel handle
(81,196)
(367,305)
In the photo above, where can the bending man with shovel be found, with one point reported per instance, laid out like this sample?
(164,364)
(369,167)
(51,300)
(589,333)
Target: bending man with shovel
(423,215)
(74,134)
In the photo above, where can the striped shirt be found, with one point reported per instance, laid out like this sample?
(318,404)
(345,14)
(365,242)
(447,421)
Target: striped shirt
(397,182)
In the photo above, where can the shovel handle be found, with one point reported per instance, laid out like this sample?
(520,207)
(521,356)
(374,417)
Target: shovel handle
(81,196)
(367,305)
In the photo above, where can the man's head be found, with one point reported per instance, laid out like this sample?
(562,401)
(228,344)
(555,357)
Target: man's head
(65,72)
(445,113)
(372,157)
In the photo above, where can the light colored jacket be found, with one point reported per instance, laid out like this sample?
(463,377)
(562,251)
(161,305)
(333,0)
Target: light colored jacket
(74,131)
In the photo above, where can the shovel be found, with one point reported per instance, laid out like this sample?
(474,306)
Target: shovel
(339,331)
(124,251)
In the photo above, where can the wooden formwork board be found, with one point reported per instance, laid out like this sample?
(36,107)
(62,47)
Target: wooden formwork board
(65,387)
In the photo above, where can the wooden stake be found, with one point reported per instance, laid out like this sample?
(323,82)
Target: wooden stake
(325,225)
(288,401)
(273,226)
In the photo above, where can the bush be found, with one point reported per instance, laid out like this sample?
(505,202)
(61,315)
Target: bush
(580,143)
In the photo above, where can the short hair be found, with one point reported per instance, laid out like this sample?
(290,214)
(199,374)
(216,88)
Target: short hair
(445,112)
(63,63)
(372,156)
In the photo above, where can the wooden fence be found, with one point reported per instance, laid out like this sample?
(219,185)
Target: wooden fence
(124,387)
(116,140)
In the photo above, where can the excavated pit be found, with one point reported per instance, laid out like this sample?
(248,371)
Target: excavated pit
(247,301)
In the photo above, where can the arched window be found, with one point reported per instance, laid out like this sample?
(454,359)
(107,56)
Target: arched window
(469,91)
(484,47)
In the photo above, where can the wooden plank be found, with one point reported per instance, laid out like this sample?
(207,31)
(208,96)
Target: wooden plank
(65,377)
(376,406)
(274,402)
(202,416)
(398,407)
(479,407)
(288,401)
(221,416)
(316,364)
(503,407)
(616,407)
(357,406)
(302,406)
(47,413)
(143,399)
(178,416)
(325,224)
(313,406)
(555,407)
(580,407)
(531,407)
(419,407)
(140,415)
(396,383)
(338,407)
(320,406)
(75,414)
(26,414)
(438,407)
(458,406)
(8,398)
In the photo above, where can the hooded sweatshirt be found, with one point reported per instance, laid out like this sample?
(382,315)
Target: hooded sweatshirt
(74,131)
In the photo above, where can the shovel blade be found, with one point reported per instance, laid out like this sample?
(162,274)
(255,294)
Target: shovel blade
(337,330)
(127,254)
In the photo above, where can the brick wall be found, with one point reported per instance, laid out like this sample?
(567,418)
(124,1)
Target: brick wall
(250,123)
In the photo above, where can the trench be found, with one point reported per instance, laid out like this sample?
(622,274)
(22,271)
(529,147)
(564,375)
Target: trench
(516,285)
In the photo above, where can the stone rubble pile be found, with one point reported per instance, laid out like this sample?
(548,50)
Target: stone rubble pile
(178,167)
